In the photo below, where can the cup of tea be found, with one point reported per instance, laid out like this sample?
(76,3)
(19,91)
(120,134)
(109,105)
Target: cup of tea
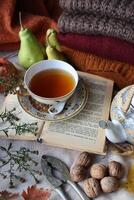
(51,81)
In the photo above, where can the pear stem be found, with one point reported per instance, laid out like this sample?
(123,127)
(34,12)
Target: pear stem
(20,21)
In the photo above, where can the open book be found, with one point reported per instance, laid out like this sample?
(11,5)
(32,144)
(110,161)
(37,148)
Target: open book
(81,132)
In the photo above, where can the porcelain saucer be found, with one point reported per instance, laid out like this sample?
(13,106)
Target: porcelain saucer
(72,107)
(120,101)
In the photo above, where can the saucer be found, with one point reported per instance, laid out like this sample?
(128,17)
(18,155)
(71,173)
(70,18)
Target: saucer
(119,103)
(72,107)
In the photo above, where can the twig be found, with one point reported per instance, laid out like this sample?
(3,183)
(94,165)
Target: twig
(18,161)
(20,128)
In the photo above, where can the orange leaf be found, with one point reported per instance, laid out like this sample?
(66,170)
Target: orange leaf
(8,196)
(34,193)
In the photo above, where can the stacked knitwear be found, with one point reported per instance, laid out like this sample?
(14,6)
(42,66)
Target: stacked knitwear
(87,19)
(85,52)
(121,9)
(104,46)
(121,73)
(96,24)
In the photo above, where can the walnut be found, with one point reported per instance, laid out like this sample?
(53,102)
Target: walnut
(109,184)
(98,171)
(116,169)
(92,187)
(84,159)
(78,173)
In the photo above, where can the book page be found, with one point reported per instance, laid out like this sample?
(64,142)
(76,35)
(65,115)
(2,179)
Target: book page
(10,102)
(82,132)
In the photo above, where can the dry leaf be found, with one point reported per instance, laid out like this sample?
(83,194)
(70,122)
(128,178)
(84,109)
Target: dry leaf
(8,196)
(34,193)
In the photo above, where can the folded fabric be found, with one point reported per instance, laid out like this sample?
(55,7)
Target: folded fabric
(107,47)
(121,73)
(118,9)
(96,24)
(34,16)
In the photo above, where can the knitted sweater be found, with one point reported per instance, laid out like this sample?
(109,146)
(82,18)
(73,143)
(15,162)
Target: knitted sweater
(96,24)
(121,73)
(107,47)
(123,9)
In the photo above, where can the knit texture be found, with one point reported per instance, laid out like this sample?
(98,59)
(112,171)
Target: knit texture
(35,16)
(123,9)
(121,73)
(96,24)
(107,47)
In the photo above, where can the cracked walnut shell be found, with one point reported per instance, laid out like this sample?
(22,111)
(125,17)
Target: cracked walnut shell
(92,187)
(116,169)
(98,171)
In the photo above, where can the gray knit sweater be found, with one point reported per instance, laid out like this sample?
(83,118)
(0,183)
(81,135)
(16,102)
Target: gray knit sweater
(96,24)
(123,9)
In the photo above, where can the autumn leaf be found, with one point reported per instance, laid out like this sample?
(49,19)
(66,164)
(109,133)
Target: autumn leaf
(34,193)
(8,196)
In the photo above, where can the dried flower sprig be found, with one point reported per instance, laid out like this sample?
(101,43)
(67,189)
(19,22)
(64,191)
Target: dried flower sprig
(9,116)
(15,161)
(25,128)
(12,120)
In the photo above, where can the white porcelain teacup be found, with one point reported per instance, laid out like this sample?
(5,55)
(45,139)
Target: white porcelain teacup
(46,66)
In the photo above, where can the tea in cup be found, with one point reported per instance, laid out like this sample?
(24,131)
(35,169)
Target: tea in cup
(51,81)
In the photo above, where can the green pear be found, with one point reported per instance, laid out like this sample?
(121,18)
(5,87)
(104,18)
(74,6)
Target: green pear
(30,50)
(43,50)
(51,38)
(54,54)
